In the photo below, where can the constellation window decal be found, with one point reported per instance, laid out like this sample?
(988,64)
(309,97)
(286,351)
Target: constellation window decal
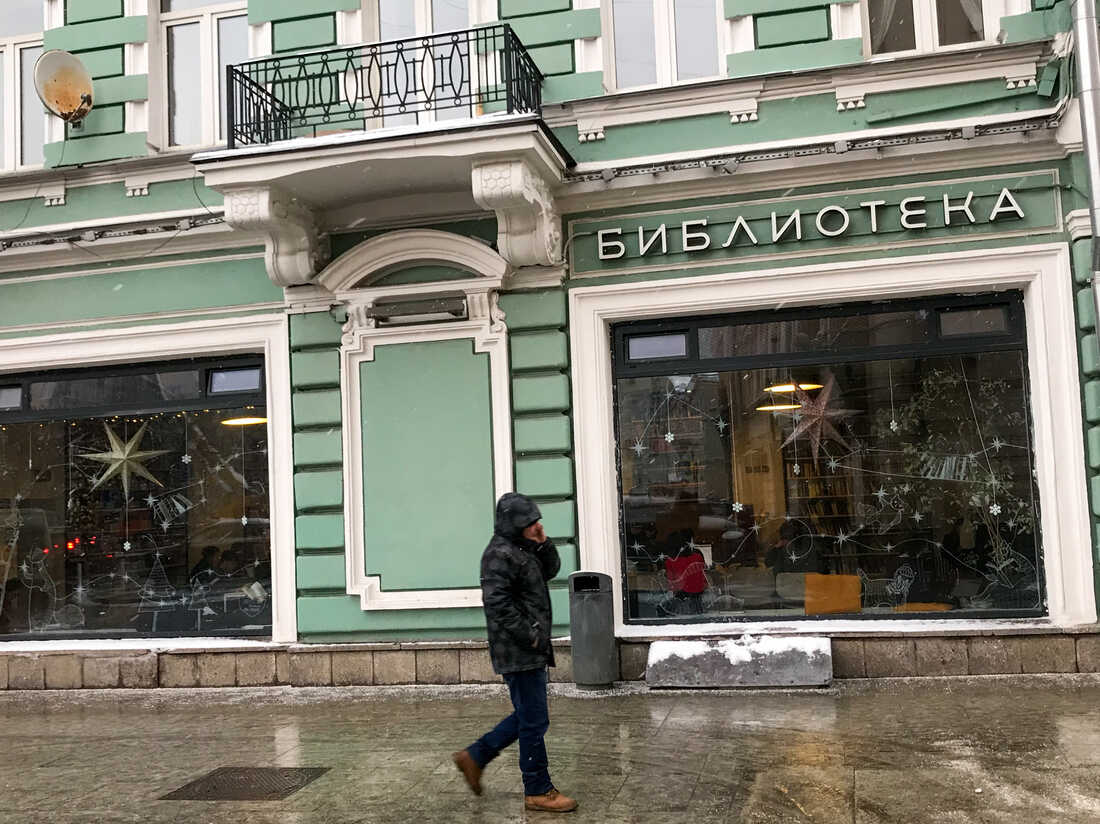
(875,484)
(137,548)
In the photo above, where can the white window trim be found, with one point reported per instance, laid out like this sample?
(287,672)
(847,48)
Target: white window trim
(664,27)
(257,334)
(213,109)
(12,48)
(1043,273)
(926,28)
(485,326)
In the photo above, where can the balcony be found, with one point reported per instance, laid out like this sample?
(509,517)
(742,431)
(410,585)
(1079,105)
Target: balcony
(417,81)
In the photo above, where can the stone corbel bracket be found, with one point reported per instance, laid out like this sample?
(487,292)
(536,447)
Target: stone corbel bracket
(743,110)
(53,195)
(528,223)
(1021,79)
(296,249)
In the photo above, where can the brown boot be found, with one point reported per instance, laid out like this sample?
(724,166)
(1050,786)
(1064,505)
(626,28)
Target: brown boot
(551,802)
(469,769)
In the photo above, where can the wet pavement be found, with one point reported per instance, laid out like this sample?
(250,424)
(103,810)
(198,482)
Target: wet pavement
(1001,750)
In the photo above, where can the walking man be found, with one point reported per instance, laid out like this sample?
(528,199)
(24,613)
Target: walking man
(515,568)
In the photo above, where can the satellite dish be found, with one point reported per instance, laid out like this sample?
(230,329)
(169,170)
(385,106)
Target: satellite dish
(64,85)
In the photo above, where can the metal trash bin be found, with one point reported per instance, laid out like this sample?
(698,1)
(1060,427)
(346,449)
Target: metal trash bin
(592,630)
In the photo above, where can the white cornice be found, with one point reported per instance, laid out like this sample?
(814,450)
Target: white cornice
(80,251)
(1078,224)
(817,170)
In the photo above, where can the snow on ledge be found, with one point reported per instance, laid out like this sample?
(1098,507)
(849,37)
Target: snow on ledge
(151,644)
(740,650)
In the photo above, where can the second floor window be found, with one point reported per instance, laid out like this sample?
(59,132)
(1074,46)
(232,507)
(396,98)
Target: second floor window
(660,42)
(24,124)
(923,25)
(200,40)
(403,19)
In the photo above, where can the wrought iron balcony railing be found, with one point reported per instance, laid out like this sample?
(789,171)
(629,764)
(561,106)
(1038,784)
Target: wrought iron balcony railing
(401,82)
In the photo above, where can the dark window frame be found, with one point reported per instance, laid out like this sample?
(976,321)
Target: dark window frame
(623,367)
(205,399)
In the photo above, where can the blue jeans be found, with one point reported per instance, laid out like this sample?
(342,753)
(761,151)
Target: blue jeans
(528,723)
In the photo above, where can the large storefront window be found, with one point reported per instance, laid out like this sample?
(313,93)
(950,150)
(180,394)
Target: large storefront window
(134,502)
(871,461)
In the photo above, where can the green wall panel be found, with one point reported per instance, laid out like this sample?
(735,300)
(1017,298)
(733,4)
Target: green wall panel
(321,448)
(338,614)
(317,408)
(532,310)
(544,477)
(559,518)
(304,33)
(121,89)
(801,57)
(318,490)
(1036,25)
(137,292)
(314,329)
(265,11)
(1090,355)
(557,28)
(97,149)
(99,33)
(427,462)
(1094,447)
(540,350)
(545,433)
(422,274)
(554,59)
(520,8)
(572,87)
(319,531)
(792,27)
(101,120)
(569,561)
(321,571)
(1086,309)
(82,11)
(540,393)
(314,369)
(103,63)
(740,8)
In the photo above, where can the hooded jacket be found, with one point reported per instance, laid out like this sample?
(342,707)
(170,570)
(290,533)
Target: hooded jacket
(514,575)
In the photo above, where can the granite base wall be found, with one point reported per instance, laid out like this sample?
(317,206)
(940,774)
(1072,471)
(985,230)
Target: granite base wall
(468,662)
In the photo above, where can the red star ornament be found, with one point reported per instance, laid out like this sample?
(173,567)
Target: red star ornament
(817,419)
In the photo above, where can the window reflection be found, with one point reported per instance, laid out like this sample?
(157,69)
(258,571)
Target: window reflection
(892,26)
(21,17)
(134,524)
(184,90)
(32,119)
(635,49)
(959,21)
(871,486)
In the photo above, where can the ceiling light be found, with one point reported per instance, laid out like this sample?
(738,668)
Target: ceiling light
(243,421)
(789,387)
(779,407)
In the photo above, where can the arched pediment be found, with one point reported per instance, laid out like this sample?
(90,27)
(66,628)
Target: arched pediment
(371,261)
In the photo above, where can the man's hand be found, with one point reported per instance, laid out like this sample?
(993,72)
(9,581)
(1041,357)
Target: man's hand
(535,533)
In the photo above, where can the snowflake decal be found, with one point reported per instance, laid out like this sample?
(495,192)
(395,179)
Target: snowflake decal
(917,517)
(244,520)
(638,448)
(126,546)
(669,437)
(797,469)
(894,426)
(186,459)
(833,464)
(722,425)
(738,506)
(995,509)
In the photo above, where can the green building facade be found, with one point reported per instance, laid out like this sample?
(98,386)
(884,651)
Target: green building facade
(779,309)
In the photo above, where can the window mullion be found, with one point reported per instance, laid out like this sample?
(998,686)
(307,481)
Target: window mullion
(664,25)
(209,60)
(924,14)
(11,107)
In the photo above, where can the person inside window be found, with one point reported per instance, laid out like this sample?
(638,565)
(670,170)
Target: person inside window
(685,568)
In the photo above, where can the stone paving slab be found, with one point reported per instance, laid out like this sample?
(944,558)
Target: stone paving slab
(1010,750)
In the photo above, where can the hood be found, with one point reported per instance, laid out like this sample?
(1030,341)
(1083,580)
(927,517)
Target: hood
(515,513)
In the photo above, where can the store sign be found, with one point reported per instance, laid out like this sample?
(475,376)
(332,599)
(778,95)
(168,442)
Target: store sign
(853,220)
(832,220)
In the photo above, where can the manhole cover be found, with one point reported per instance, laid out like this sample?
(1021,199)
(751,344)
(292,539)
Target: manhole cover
(247,784)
